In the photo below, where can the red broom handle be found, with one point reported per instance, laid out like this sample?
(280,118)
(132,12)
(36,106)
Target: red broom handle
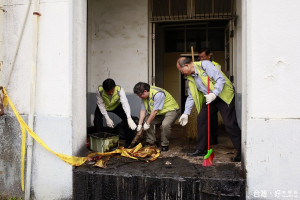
(208,116)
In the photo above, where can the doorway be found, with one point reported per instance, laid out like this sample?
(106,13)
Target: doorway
(175,39)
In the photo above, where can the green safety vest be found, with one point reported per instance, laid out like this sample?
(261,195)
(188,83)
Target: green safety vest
(226,95)
(110,102)
(170,103)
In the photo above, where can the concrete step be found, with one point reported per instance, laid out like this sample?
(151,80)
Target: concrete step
(165,178)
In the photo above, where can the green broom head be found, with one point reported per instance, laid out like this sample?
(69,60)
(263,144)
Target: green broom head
(208,158)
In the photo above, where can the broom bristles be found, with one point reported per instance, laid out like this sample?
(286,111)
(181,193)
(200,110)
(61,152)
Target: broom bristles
(209,161)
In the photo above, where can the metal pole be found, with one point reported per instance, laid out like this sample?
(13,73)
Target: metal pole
(32,97)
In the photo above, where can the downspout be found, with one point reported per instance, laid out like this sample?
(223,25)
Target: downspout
(32,97)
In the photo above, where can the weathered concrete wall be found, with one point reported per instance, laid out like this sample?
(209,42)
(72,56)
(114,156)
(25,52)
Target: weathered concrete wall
(1,39)
(117,47)
(10,143)
(60,94)
(10,157)
(272,134)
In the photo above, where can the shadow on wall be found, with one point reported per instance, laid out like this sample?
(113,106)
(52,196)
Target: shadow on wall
(134,103)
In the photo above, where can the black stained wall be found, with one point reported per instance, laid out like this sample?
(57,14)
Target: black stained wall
(115,183)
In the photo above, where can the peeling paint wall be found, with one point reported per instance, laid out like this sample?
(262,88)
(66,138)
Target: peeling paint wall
(117,47)
(273,114)
(60,95)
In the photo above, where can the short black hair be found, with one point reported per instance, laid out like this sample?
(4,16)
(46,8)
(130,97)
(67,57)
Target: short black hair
(108,84)
(140,87)
(184,60)
(204,49)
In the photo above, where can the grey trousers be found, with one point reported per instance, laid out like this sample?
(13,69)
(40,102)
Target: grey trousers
(166,121)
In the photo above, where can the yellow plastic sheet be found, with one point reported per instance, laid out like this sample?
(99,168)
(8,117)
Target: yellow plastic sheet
(138,152)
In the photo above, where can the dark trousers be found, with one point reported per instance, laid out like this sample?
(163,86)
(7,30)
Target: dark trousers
(98,120)
(228,114)
(214,128)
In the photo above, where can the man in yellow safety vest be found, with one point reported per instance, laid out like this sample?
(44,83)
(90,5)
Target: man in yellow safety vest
(220,98)
(160,108)
(111,98)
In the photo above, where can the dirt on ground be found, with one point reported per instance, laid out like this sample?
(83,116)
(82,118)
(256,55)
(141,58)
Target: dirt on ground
(180,145)
(175,162)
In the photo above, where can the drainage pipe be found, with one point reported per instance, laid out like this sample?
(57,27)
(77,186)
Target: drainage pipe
(32,97)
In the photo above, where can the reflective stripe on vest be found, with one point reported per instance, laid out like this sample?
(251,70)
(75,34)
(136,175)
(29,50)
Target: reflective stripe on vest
(170,103)
(226,95)
(110,102)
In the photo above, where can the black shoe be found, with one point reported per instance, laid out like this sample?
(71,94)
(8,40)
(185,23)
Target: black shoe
(197,153)
(164,148)
(237,158)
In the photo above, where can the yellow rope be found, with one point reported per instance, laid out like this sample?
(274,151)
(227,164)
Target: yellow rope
(72,160)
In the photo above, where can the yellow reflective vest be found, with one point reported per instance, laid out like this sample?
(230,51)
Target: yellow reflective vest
(170,103)
(110,102)
(226,95)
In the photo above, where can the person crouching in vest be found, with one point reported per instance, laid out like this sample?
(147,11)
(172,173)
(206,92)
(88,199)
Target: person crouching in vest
(111,98)
(220,98)
(160,108)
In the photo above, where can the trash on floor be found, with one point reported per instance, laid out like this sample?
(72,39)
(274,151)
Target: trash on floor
(139,152)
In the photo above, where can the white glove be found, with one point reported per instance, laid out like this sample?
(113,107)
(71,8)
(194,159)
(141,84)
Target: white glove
(146,126)
(109,122)
(210,97)
(183,120)
(131,123)
(139,127)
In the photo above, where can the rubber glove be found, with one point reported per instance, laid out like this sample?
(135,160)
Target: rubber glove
(146,126)
(139,127)
(109,122)
(210,98)
(131,123)
(183,120)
